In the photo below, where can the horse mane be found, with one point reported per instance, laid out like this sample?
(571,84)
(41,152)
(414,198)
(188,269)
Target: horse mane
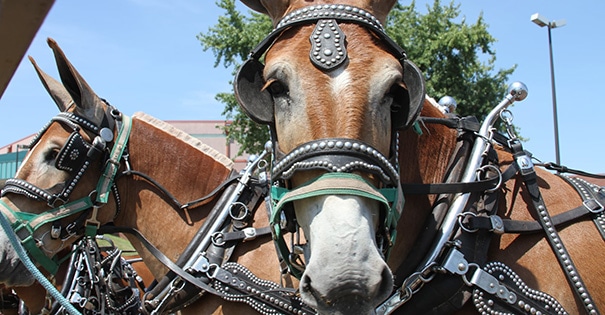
(185,137)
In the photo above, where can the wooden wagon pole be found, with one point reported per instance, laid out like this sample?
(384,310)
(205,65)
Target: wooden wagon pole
(19,23)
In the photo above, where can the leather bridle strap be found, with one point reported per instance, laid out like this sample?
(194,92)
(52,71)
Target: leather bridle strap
(338,12)
(569,269)
(450,188)
(524,227)
(108,229)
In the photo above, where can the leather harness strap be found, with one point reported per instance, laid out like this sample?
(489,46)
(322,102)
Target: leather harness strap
(573,277)
(593,198)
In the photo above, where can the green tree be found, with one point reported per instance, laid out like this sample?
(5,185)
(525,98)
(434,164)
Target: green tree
(455,57)
(231,40)
(450,55)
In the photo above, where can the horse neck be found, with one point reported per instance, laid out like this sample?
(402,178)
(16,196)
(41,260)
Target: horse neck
(186,168)
(423,158)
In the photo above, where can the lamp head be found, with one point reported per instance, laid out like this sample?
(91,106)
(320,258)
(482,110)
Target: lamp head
(557,23)
(539,19)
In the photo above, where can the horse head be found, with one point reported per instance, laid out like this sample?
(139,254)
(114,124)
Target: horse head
(334,90)
(49,202)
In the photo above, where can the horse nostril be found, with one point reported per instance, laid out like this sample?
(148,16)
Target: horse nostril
(386,285)
(306,283)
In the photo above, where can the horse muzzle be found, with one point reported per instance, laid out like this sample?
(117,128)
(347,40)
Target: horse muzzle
(345,271)
(12,271)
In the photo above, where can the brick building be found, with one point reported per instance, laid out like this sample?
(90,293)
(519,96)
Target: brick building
(207,131)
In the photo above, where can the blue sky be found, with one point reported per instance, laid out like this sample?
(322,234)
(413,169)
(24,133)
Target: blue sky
(143,55)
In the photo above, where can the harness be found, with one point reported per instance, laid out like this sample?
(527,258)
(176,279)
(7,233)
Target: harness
(337,157)
(467,200)
(444,283)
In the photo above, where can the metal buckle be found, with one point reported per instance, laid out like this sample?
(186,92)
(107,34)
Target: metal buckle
(593,205)
(525,164)
(497,224)
(249,233)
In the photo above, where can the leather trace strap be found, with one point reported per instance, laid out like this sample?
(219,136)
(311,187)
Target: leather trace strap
(569,269)
(593,198)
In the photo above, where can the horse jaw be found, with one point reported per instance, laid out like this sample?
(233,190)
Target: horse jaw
(345,272)
(13,272)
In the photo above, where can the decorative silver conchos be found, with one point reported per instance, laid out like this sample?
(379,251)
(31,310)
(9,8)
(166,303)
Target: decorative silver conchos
(331,11)
(317,155)
(529,301)
(328,49)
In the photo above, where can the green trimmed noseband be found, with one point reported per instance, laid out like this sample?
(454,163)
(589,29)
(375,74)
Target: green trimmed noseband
(332,184)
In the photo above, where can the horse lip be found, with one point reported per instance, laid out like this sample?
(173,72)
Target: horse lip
(352,291)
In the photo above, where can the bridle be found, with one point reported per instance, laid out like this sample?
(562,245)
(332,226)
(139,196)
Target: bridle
(75,157)
(337,158)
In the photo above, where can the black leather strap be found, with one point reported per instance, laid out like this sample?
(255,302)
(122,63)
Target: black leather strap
(110,229)
(449,188)
(551,234)
(523,227)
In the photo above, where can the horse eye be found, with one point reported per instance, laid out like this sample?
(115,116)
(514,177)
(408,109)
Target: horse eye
(51,155)
(387,100)
(277,88)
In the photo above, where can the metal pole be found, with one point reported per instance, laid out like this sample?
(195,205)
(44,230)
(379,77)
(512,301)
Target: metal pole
(554,98)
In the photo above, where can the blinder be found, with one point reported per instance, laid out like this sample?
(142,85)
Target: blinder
(257,102)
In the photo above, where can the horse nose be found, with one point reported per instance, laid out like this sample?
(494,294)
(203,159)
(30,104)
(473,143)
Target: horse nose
(350,292)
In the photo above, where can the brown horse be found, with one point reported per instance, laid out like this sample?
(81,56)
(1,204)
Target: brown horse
(334,122)
(178,163)
(332,78)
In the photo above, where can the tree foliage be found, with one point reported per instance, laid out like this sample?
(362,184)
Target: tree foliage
(456,58)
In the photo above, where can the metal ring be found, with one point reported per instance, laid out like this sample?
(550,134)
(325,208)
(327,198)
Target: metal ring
(212,271)
(464,279)
(177,284)
(218,238)
(461,217)
(507,116)
(497,170)
(262,164)
(240,217)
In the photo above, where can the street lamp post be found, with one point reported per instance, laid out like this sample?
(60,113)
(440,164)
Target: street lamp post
(542,21)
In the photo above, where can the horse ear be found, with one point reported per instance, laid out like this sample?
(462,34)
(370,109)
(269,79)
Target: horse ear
(255,5)
(408,97)
(276,9)
(56,90)
(88,104)
(381,9)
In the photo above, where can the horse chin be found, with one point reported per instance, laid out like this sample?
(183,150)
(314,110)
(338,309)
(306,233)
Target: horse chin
(350,297)
(346,306)
(13,272)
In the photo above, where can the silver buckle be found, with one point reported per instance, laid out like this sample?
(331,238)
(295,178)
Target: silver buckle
(497,224)
(593,205)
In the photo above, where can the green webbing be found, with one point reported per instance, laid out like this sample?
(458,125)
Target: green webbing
(332,184)
(113,163)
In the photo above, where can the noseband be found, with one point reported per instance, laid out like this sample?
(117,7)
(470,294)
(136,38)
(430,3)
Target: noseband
(341,159)
(75,157)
